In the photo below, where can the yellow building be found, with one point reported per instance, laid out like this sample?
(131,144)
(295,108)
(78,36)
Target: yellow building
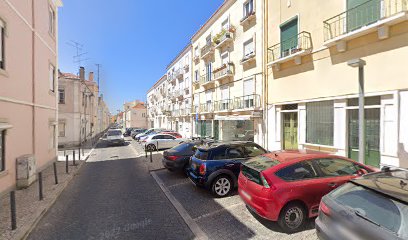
(312,92)
(227,73)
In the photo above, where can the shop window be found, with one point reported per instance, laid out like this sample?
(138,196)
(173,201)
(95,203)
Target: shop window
(238,130)
(320,122)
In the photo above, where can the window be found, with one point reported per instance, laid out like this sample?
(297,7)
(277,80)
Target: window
(52,78)
(208,40)
(249,90)
(337,167)
(218,154)
(235,153)
(2,152)
(248,8)
(196,76)
(2,44)
(196,52)
(253,150)
(158,137)
(320,122)
(208,68)
(61,96)
(288,38)
(51,21)
(225,24)
(168,137)
(61,129)
(224,92)
(298,171)
(249,48)
(224,58)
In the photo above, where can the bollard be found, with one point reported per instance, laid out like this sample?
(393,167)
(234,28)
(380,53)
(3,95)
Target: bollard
(157,148)
(146,152)
(151,158)
(55,173)
(79,153)
(73,160)
(13,210)
(40,186)
(83,152)
(66,164)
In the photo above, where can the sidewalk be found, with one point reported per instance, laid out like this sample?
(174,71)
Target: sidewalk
(29,209)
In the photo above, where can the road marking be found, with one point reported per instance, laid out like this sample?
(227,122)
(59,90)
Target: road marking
(178,184)
(180,209)
(218,211)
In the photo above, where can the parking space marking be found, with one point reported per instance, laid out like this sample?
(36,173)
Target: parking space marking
(218,211)
(178,184)
(197,231)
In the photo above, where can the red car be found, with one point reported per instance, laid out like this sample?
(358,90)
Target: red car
(287,186)
(175,134)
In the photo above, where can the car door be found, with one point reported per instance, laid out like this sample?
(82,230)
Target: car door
(171,141)
(159,141)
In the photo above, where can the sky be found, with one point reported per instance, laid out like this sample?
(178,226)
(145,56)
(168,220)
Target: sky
(133,40)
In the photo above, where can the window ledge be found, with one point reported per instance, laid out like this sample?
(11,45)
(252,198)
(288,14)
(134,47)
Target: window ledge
(50,92)
(4,73)
(4,173)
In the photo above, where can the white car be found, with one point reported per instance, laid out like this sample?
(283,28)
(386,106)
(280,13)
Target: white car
(115,137)
(161,141)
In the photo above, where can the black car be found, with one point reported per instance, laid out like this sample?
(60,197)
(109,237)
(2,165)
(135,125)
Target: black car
(177,158)
(217,167)
(374,206)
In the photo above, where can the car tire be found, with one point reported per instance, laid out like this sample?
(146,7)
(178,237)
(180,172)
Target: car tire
(292,217)
(151,147)
(221,186)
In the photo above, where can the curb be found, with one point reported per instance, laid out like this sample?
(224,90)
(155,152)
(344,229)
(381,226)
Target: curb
(24,234)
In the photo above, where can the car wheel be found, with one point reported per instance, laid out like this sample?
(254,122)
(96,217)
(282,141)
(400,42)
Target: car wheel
(292,217)
(221,186)
(151,147)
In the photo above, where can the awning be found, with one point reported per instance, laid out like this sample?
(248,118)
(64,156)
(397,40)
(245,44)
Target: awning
(232,117)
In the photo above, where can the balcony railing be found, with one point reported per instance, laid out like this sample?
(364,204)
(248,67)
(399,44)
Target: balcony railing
(180,93)
(195,109)
(185,111)
(206,79)
(247,102)
(179,73)
(226,70)
(176,113)
(224,105)
(224,36)
(362,15)
(294,45)
(207,50)
(206,107)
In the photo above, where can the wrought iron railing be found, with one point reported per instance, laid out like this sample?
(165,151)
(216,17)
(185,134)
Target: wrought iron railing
(300,42)
(179,72)
(206,107)
(224,70)
(247,101)
(195,109)
(224,34)
(224,105)
(205,78)
(209,47)
(362,15)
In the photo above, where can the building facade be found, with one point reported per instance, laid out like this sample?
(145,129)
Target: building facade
(311,89)
(28,92)
(136,116)
(228,73)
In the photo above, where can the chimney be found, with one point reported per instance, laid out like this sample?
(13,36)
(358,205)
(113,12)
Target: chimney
(82,73)
(91,76)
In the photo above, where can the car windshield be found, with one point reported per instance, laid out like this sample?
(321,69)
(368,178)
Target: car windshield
(374,207)
(114,133)
(201,154)
(184,147)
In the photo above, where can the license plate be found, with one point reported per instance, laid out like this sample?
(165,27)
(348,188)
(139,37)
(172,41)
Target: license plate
(246,195)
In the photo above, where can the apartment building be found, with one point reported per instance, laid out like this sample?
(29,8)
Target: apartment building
(28,97)
(134,114)
(82,112)
(179,87)
(159,104)
(228,73)
(312,90)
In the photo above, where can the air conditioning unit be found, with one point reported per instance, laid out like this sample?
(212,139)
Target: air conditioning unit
(26,169)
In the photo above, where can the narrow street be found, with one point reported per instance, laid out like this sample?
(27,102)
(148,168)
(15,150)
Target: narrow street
(113,197)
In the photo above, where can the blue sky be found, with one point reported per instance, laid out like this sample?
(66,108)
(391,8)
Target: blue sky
(133,40)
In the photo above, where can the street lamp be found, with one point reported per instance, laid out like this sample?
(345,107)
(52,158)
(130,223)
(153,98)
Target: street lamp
(361,118)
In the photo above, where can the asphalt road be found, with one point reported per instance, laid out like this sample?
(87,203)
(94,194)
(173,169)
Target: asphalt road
(112,197)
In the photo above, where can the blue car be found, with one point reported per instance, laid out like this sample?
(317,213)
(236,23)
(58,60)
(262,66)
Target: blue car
(217,167)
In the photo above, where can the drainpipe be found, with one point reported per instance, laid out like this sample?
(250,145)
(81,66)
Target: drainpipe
(33,72)
(265,74)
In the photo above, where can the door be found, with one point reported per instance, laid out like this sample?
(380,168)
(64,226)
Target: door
(216,130)
(170,141)
(372,135)
(362,12)
(288,36)
(290,130)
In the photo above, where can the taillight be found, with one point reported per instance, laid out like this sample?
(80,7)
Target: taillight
(202,169)
(172,158)
(266,183)
(324,208)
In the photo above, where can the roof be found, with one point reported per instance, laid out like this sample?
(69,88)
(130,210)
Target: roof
(181,53)
(139,106)
(69,75)
(391,183)
(288,155)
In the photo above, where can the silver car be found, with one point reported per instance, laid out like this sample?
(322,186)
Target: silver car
(161,141)
(115,137)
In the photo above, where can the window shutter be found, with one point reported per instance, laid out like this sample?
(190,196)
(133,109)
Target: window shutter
(249,88)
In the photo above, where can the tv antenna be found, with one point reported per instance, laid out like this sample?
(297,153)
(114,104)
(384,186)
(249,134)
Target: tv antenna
(80,55)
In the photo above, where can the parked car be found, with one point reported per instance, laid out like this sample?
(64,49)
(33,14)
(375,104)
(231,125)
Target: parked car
(148,132)
(161,141)
(287,186)
(217,167)
(115,137)
(177,158)
(136,131)
(374,206)
(176,134)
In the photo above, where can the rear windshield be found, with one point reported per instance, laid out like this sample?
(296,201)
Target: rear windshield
(184,147)
(252,174)
(374,207)
(114,133)
(201,154)
(261,162)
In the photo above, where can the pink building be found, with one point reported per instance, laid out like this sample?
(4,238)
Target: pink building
(28,87)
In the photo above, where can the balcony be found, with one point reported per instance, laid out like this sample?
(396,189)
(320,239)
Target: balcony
(207,50)
(195,109)
(185,111)
(176,113)
(224,105)
(225,72)
(248,102)
(291,49)
(371,16)
(206,107)
(224,37)
(172,78)
(246,20)
(206,80)
(196,58)
(173,96)
(180,94)
(179,73)
(186,67)
(248,58)
(186,90)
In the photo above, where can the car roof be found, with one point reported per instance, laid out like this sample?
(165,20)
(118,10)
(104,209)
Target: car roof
(114,129)
(216,144)
(289,155)
(393,183)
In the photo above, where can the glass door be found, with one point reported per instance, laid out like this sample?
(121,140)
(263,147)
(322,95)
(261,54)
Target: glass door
(290,130)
